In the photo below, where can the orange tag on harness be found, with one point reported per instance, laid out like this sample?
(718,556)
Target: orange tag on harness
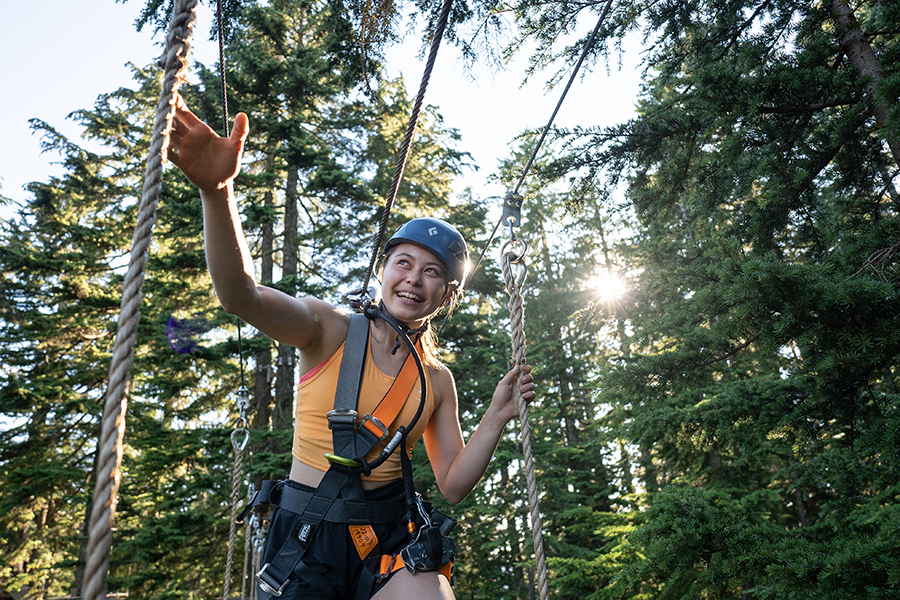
(364,538)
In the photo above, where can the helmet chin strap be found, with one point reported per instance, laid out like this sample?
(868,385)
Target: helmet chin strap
(382,312)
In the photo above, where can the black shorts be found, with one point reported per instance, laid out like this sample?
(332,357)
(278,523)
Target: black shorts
(331,567)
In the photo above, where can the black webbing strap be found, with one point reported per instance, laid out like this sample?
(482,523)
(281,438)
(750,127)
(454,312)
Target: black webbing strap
(342,419)
(350,440)
(274,576)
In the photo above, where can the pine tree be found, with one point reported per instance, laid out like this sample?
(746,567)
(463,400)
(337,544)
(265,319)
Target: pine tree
(756,390)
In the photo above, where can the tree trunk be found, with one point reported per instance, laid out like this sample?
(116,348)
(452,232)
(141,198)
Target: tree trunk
(262,395)
(863,58)
(284,378)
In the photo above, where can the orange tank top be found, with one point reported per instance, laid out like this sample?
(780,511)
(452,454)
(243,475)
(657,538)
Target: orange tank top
(315,397)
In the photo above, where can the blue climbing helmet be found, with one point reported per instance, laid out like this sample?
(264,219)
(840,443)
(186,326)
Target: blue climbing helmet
(438,237)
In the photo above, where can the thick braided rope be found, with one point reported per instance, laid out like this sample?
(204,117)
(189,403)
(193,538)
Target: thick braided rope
(517,334)
(109,447)
(235,499)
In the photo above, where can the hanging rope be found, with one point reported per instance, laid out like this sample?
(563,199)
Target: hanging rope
(517,333)
(407,141)
(243,394)
(109,447)
(248,545)
(222,84)
(243,402)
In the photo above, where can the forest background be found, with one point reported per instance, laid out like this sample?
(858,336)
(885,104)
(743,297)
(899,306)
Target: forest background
(726,426)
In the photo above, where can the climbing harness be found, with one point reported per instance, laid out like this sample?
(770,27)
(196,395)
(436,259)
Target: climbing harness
(339,497)
(110,444)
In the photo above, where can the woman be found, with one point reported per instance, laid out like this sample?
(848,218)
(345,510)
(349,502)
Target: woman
(418,278)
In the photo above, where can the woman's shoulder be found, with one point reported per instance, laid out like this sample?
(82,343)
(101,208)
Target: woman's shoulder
(331,323)
(442,382)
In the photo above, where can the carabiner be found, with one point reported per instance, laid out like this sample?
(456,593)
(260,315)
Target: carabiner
(512,258)
(359,299)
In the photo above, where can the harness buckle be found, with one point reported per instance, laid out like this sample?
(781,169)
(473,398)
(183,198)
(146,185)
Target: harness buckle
(267,583)
(342,417)
(377,423)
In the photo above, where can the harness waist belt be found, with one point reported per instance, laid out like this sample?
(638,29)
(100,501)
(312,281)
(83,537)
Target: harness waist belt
(340,511)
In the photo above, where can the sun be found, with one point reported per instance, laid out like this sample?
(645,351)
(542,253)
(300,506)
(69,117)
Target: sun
(607,287)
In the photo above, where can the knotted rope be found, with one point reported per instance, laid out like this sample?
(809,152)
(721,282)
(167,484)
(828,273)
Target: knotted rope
(517,334)
(110,447)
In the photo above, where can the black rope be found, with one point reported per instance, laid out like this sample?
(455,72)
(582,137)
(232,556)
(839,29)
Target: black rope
(537,147)
(220,33)
(407,141)
(587,47)
(221,36)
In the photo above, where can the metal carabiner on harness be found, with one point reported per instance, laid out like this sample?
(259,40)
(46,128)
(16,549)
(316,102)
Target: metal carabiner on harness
(359,299)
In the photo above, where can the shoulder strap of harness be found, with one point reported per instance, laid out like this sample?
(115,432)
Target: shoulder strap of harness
(342,419)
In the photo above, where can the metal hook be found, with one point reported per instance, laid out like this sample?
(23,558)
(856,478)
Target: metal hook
(515,256)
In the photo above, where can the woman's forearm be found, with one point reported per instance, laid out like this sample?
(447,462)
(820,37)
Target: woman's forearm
(227,254)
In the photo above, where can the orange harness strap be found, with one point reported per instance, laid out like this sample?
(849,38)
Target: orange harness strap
(392,562)
(396,397)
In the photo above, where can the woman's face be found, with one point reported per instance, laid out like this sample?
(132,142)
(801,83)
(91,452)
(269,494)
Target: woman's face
(414,284)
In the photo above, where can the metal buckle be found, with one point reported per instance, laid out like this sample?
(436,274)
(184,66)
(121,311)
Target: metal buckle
(344,416)
(268,587)
(385,433)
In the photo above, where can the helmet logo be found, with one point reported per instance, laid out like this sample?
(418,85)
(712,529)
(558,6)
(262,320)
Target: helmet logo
(432,231)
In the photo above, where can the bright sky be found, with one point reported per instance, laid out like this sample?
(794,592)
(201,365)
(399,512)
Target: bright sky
(58,56)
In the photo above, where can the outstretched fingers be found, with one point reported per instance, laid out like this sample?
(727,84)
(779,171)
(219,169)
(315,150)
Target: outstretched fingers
(184,114)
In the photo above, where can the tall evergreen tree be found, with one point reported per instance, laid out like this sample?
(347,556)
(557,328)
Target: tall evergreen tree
(756,389)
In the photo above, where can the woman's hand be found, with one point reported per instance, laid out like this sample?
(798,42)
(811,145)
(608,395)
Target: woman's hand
(504,400)
(209,161)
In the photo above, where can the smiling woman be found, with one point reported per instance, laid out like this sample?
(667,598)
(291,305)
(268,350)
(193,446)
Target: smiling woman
(425,260)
